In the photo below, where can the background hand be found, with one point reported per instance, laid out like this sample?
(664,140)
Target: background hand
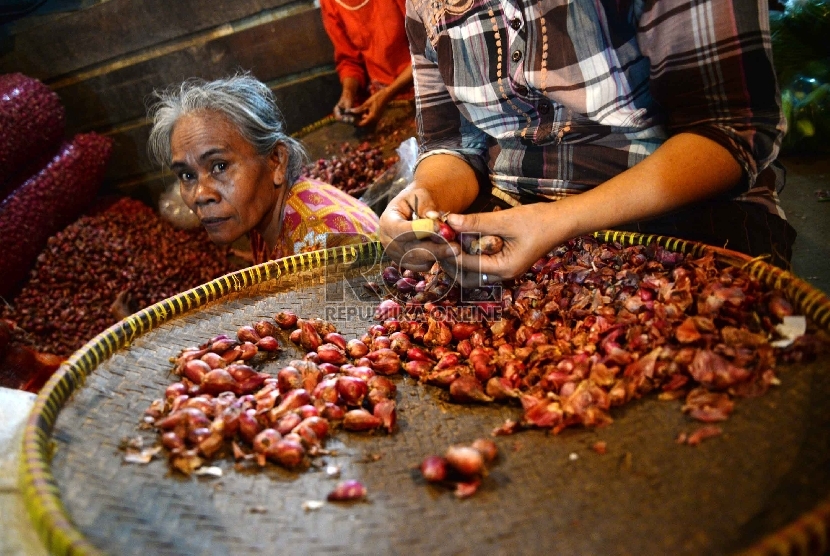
(343,114)
(343,109)
(370,111)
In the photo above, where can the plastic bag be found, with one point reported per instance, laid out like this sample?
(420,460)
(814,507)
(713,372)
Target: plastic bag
(802,65)
(809,20)
(806,104)
(394,179)
(173,209)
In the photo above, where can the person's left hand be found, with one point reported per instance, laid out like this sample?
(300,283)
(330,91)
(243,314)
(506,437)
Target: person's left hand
(401,242)
(370,111)
(527,236)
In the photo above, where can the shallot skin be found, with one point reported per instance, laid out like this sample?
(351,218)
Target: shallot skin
(466,460)
(434,469)
(488,449)
(286,320)
(347,491)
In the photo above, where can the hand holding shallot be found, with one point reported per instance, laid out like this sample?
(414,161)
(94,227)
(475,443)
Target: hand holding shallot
(436,228)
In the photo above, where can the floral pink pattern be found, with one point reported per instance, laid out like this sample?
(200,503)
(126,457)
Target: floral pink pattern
(312,211)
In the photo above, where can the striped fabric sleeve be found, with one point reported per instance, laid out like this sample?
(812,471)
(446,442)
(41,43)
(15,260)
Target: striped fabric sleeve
(442,128)
(348,60)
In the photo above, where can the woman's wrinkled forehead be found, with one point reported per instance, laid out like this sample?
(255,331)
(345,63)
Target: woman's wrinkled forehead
(209,120)
(197,133)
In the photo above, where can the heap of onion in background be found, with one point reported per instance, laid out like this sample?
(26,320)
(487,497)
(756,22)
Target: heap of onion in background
(70,256)
(45,183)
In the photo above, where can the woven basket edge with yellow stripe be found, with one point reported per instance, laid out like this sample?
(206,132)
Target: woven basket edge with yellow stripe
(808,534)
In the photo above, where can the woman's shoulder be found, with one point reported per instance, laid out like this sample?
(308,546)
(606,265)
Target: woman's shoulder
(311,184)
(316,201)
(311,189)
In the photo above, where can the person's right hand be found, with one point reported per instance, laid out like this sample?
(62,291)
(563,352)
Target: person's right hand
(368,113)
(401,243)
(528,232)
(343,108)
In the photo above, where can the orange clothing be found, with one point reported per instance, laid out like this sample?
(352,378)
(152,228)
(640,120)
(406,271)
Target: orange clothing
(370,42)
(317,216)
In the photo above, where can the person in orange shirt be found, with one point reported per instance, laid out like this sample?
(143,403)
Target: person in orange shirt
(371,55)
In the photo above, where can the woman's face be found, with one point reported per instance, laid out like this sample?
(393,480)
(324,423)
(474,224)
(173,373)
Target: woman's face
(223,180)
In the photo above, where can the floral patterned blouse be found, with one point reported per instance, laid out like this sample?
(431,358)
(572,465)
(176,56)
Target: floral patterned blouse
(317,216)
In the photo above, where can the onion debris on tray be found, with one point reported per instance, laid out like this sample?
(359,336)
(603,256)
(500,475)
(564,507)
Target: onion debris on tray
(589,327)
(223,406)
(462,467)
(592,326)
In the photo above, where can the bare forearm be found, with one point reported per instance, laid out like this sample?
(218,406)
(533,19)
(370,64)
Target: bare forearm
(375,104)
(350,86)
(685,169)
(402,82)
(451,182)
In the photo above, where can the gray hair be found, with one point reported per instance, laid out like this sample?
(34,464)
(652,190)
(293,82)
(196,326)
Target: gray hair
(247,102)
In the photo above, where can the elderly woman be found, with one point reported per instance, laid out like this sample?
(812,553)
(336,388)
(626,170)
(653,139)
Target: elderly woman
(240,173)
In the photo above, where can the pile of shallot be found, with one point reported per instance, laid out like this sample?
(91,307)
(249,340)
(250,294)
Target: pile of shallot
(120,249)
(589,327)
(222,405)
(353,169)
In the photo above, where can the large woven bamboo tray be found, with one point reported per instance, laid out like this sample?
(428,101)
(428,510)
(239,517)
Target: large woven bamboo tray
(762,487)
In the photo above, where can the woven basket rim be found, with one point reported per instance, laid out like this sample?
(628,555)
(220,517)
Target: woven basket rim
(40,491)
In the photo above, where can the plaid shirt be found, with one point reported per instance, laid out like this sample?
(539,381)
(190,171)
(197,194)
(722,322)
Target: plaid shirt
(576,91)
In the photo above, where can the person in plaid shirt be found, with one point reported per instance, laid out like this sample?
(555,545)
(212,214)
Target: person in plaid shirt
(644,115)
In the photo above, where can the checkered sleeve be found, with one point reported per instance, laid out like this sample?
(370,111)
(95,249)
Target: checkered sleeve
(442,128)
(712,73)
